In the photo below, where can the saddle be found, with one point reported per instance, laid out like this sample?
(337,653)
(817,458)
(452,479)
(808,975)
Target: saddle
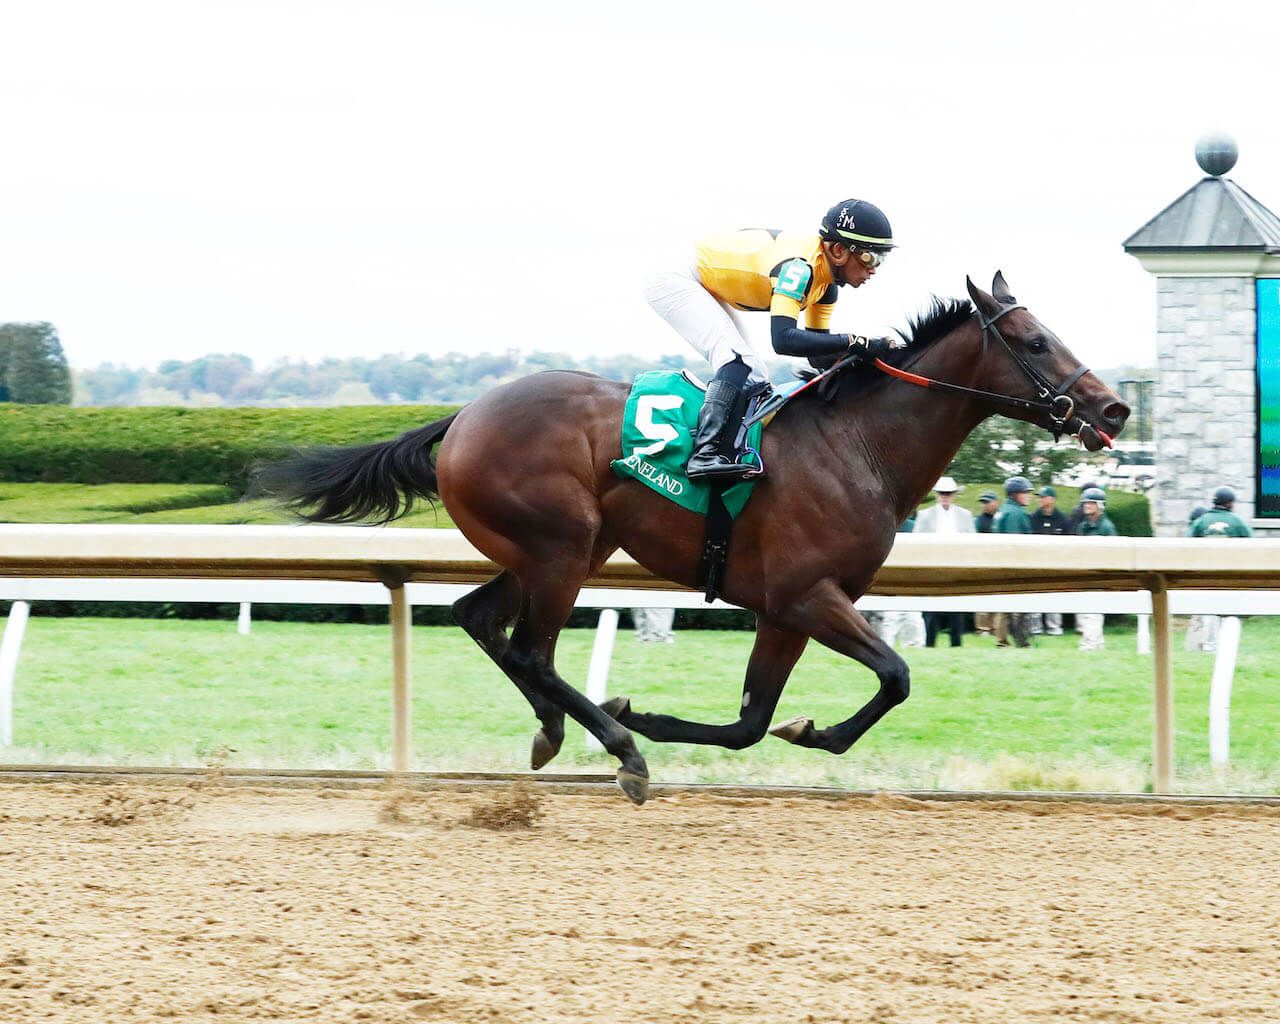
(657,430)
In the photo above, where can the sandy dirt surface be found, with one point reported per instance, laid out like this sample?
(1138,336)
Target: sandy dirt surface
(137,902)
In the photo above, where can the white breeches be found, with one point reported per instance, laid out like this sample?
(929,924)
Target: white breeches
(706,323)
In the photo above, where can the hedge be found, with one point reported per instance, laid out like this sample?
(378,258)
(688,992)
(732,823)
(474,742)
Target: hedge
(56,444)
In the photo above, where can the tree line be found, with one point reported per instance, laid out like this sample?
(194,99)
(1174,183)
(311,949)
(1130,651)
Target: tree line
(386,379)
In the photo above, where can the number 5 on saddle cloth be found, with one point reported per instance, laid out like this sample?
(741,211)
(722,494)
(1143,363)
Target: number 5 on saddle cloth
(658,425)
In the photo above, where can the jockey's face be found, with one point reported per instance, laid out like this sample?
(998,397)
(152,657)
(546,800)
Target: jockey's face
(846,267)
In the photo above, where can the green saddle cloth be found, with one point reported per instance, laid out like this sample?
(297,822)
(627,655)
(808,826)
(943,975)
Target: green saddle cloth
(657,439)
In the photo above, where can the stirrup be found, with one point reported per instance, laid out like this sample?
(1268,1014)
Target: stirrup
(725,469)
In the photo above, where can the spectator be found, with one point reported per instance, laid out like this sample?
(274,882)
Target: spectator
(1094,524)
(1077,513)
(908,625)
(1195,625)
(1048,521)
(1012,519)
(990,502)
(990,505)
(944,517)
(654,625)
(1220,521)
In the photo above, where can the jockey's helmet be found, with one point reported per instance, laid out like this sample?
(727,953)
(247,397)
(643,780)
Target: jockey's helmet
(1016,485)
(857,224)
(1224,496)
(1093,494)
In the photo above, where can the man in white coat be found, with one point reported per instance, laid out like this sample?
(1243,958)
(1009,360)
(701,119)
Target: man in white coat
(944,517)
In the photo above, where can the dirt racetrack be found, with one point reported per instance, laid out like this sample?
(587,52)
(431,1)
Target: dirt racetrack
(146,902)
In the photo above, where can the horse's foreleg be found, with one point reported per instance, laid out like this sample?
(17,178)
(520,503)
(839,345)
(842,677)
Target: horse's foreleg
(829,616)
(486,613)
(775,654)
(530,655)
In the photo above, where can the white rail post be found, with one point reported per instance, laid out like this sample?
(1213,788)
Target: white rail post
(1162,691)
(242,625)
(598,670)
(14,630)
(1144,634)
(1224,670)
(394,578)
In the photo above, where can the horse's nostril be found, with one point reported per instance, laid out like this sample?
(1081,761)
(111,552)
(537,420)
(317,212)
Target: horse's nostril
(1116,413)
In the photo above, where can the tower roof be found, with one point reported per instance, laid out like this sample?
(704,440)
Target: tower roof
(1215,214)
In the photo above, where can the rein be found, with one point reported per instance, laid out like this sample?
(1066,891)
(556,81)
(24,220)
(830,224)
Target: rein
(1053,401)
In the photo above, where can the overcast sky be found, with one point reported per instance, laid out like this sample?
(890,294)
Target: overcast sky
(306,179)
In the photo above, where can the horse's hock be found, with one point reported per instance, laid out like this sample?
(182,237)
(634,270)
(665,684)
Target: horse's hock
(1215,253)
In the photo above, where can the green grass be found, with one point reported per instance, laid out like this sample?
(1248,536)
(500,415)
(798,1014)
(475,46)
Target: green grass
(297,695)
(139,504)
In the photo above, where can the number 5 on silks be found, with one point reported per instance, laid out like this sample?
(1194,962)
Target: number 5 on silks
(661,434)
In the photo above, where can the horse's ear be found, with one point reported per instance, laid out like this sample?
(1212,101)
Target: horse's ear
(985,303)
(1000,289)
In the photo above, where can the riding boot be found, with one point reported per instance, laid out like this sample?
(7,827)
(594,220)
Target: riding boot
(715,456)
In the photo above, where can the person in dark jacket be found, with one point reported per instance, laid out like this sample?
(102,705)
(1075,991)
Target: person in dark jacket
(990,505)
(1048,521)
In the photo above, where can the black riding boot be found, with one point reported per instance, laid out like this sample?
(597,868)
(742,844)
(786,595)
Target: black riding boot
(715,456)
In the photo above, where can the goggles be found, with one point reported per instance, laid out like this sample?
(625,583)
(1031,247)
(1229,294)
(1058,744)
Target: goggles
(871,259)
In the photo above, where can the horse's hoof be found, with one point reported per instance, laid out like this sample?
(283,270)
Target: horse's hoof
(635,786)
(543,750)
(616,707)
(793,729)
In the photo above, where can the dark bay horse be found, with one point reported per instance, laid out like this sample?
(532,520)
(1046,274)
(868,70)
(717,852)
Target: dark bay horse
(524,472)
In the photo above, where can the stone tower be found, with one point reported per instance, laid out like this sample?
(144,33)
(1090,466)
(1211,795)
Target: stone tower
(1212,251)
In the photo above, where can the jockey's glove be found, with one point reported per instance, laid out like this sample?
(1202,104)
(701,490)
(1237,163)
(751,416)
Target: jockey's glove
(869,348)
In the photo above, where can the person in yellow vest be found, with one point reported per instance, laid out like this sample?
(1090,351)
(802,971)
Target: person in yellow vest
(784,274)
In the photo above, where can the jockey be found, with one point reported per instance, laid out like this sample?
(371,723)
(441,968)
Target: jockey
(783,273)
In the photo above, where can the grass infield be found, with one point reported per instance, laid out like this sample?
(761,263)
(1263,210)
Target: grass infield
(160,692)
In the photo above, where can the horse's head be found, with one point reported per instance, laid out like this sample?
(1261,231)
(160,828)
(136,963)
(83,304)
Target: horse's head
(1023,359)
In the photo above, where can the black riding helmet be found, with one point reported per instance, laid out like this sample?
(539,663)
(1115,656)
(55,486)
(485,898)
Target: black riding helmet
(857,224)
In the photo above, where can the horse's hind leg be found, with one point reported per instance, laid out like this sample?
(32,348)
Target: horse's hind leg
(775,654)
(549,596)
(486,613)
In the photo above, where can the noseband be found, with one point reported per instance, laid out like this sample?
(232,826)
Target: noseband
(1054,402)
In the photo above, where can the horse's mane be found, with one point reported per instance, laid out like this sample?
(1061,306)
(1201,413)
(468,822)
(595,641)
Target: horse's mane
(928,326)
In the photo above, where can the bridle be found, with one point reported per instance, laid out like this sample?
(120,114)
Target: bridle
(1053,401)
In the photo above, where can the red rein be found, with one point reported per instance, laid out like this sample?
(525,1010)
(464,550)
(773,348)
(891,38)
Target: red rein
(925,382)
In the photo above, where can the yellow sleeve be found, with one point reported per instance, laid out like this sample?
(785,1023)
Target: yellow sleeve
(784,305)
(818,316)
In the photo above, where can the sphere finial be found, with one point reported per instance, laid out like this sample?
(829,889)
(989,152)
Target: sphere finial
(1216,153)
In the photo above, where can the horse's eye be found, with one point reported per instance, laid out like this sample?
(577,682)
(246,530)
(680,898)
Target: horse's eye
(1036,345)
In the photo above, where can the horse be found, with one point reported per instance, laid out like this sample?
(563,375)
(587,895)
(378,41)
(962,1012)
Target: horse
(524,471)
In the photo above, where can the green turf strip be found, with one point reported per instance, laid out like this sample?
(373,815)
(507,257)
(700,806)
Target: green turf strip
(139,504)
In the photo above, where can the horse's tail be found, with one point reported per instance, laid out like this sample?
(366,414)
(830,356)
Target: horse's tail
(367,483)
